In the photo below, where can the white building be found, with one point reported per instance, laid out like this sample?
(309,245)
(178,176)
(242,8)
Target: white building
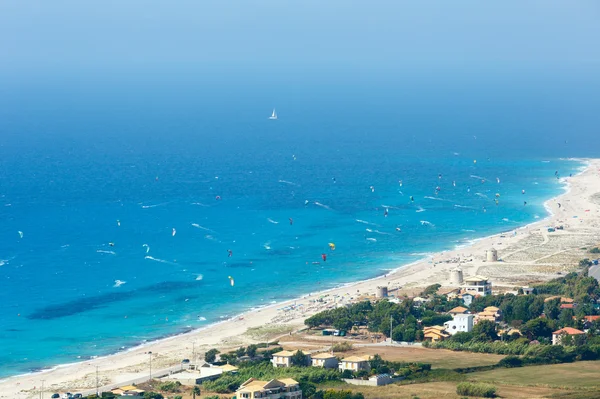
(467,298)
(282,359)
(478,286)
(460,323)
(325,360)
(281,388)
(355,363)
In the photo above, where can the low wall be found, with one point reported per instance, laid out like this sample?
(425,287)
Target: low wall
(373,383)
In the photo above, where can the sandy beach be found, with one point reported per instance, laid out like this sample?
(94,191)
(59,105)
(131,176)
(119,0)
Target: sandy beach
(528,254)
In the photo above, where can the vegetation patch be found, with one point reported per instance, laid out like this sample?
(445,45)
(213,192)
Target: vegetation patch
(476,389)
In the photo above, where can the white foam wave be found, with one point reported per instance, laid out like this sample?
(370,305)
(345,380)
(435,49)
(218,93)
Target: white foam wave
(468,230)
(200,204)
(463,206)
(477,177)
(436,198)
(159,260)
(147,247)
(371,239)
(420,209)
(199,277)
(482,195)
(196,225)
(368,223)
(378,232)
(119,283)
(267,245)
(100,251)
(211,238)
(287,182)
(322,205)
(200,318)
(272,221)
(426,223)
(153,206)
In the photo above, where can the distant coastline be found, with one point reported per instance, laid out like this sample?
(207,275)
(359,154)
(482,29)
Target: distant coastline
(395,271)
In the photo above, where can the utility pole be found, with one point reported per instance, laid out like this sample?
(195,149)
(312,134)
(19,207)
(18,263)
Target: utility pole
(391,321)
(150,353)
(42,390)
(97,391)
(332,344)
(194,355)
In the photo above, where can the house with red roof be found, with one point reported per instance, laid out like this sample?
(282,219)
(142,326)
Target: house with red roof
(558,335)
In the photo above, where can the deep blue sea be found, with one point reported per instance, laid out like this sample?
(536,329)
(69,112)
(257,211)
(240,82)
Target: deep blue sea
(151,184)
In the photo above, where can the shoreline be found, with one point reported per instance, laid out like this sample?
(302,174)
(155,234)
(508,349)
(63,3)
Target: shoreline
(236,327)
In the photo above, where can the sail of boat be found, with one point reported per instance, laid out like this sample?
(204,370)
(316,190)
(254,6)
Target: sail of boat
(273,115)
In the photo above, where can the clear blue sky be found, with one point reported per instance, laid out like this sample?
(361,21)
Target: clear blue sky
(74,35)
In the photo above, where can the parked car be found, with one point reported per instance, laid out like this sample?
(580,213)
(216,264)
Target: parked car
(77,396)
(67,395)
(185,361)
(55,396)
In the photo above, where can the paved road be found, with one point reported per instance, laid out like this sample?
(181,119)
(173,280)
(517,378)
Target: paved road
(139,380)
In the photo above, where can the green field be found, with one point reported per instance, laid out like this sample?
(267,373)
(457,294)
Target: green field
(584,375)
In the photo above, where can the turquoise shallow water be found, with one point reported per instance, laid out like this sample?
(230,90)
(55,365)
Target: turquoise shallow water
(101,171)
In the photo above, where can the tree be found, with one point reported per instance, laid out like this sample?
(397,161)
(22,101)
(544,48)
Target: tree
(308,389)
(195,391)
(251,350)
(376,362)
(565,318)
(241,351)
(462,337)
(485,330)
(430,290)
(347,374)
(299,359)
(153,395)
(538,328)
(211,355)
(343,324)
(552,309)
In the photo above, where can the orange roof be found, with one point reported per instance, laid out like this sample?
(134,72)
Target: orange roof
(567,306)
(458,309)
(487,313)
(438,333)
(491,309)
(591,318)
(568,331)
(562,299)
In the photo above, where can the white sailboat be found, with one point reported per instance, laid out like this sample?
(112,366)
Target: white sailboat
(273,115)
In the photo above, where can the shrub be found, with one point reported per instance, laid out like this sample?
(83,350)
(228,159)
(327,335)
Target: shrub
(251,350)
(177,397)
(347,374)
(342,347)
(299,359)
(332,394)
(153,395)
(476,389)
(211,355)
(510,361)
(170,386)
(595,250)
(228,383)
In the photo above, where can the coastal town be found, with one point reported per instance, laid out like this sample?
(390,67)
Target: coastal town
(520,300)
(443,304)
(352,349)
